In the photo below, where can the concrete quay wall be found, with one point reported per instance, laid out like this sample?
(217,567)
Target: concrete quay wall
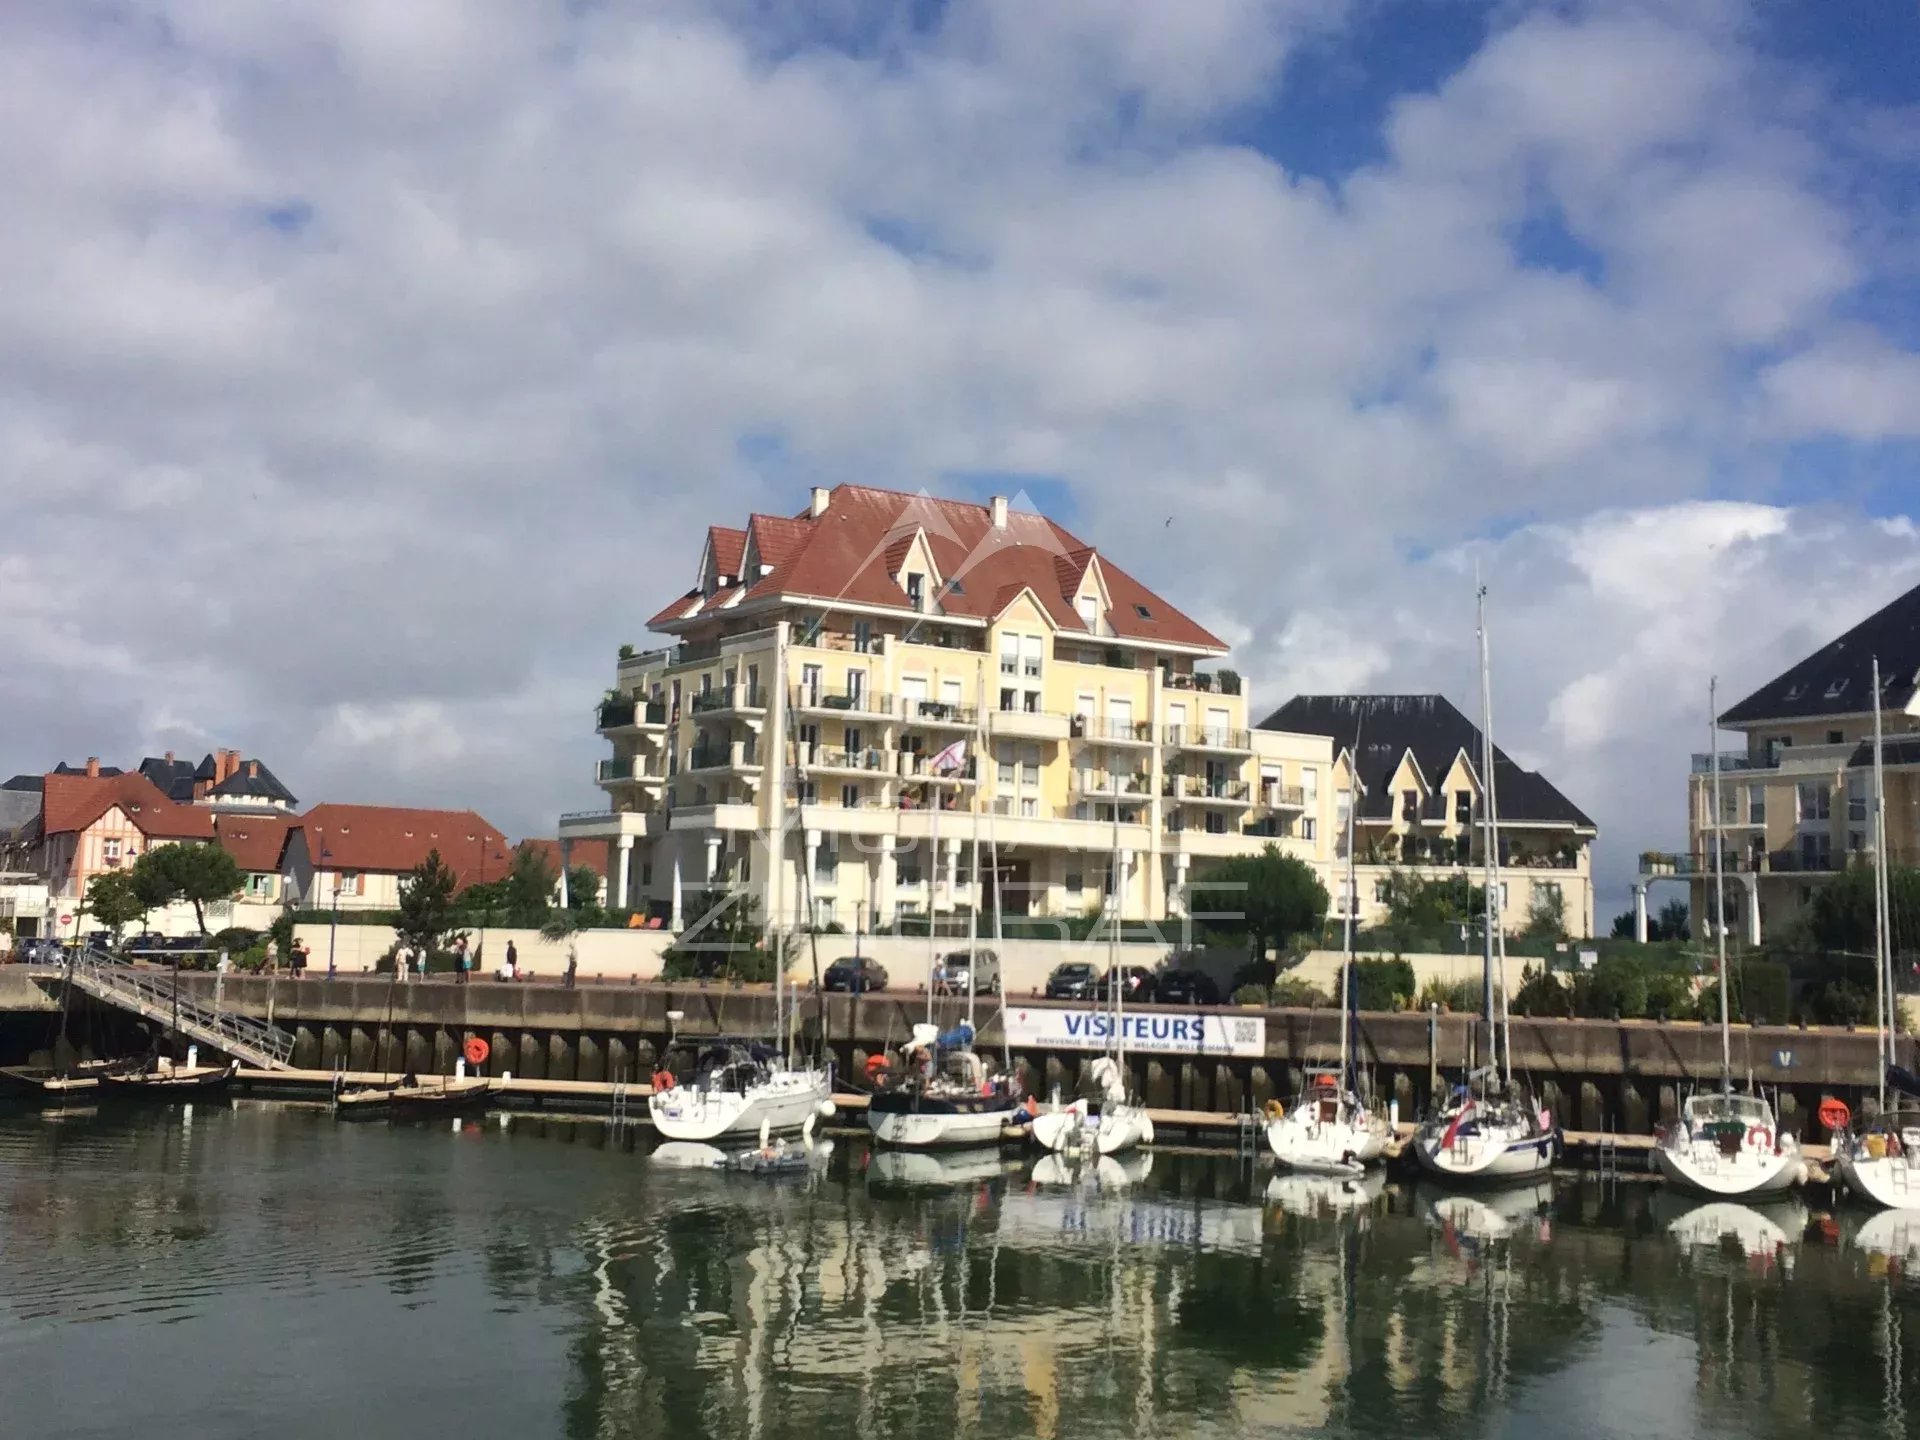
(1594,1075)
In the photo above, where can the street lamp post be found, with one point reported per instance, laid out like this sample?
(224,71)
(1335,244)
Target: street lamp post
(333,923)
(486,912)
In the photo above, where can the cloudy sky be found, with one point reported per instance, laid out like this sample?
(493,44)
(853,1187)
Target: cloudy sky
(369,371)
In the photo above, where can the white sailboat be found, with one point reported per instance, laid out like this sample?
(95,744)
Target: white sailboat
(1488,1130)
(946,1099)
(741,1089)
(1121,1122)
(1880,1161)
(1726,1146)
(1329,1131)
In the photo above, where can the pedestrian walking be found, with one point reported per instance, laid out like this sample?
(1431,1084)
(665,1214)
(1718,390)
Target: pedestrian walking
(513,957)
(403,961)
(573,963)
(462,962)
(421,961)
(300,956)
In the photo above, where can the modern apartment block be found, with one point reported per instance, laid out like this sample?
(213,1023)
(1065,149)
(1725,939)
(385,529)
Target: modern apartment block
(887,679)
(1796,798)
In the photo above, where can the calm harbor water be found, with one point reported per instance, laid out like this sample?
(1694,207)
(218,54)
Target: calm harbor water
(263,1269)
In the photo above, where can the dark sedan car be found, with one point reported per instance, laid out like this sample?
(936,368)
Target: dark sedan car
(856,975)
(1072,981)
(1138,980)
(1186,987)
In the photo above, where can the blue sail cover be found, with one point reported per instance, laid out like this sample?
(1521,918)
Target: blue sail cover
(958,1038)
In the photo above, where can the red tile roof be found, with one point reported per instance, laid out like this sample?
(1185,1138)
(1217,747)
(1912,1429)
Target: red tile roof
(73,802)
(727,546)
(391,839)
(846,554)
(591,853)
(256,842)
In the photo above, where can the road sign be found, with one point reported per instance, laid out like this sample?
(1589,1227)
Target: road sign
(66,919)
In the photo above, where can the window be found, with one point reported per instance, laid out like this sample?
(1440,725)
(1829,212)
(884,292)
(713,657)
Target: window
(856,684)
(646,874)
(809,793)
(1409,805)
(810,684)
(1837,688)
(851,735)
(1382,892)
(1757,804)
(1730,807)
(1089,608)
(260,884)
(1856,799)
(744,869)
(826,864)
(1009,654)
(863,637)
(1816,801)
(1309,787)
(1503,895)
(706,683)
(1030,656)
(1463,807)
(1856,840)
(1775,744)
(1029,807)
(1836,737)
(954,587)
(850,796)
(908,874)
(1009,699)
(110,850)
(753,684)
(917,590)
(699,794)
(1308,827)
(1143,612)
(1216,823)
(1076,882)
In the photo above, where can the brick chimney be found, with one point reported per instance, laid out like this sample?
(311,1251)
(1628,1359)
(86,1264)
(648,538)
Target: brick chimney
(253,769)
(93,767)
(225,762)
(169,757)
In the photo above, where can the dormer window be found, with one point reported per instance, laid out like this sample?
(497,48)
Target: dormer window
(1090,611)
(1795,691)
(1143,612)
(917,590)
(954,587)
(1837,689)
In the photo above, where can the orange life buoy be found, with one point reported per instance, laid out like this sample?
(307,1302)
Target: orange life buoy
(663,1080)
(876,1064)
(1763,1135)
(1834,1114)
(476,1050)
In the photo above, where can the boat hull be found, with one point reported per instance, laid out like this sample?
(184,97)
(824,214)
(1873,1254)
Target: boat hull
(782,1104)
(1485,1159)
(1890,1181)
(35,1083)
(1301,1140)
(1699,1170)
(1114,1131)
(912,1121)
(179,1084)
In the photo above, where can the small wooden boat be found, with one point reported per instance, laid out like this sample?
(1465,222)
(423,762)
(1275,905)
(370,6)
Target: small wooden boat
(436,1095)
(44,1083)
(164,1080)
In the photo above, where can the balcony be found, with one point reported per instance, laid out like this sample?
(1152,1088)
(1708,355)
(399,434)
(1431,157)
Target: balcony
(840,642)
(737,755)
(1220,682)
(917,767)
(631,714)
(824,759)
(612,824)
(1199,737)
(1111,732)
(1097,785)
(1283,797)
(1729,763)
(1028,725)
(820,702)
(938,715)
(729,700)
(632,770)
(1201,790)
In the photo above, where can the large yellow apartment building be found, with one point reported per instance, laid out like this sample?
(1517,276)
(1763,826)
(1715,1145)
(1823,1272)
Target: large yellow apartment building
(1796,792)
(869,689)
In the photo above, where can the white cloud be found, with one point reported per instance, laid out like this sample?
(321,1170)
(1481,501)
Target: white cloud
(395,358)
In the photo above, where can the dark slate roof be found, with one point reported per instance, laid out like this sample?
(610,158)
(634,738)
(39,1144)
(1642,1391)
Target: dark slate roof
(173,778)
(263,786)
(1837,679)
(1389,726)
(36,783)
(107,772)
(18,810)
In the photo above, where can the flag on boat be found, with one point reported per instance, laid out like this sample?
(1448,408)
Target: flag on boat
(950,759)
(1446,1140)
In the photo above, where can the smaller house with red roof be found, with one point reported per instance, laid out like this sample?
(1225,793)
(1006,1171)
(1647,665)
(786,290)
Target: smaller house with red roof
(356,855)
(92,823)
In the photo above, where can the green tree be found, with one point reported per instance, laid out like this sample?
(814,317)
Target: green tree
(583,888)
(197,873)
(1546,914)
(1674,922)
(1841,916)
(426,918)
(111,901)
(1275,895)
(1623,926)
(529,888)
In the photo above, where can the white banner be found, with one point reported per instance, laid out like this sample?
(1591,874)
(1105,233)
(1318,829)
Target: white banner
(1153,1032)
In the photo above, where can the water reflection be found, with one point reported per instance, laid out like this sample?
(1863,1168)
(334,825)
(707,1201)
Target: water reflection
(490,1279)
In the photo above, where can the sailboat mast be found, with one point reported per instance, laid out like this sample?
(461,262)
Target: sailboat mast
(776,854)
(933,892)
(1352,898)
(1882,938)
(1505,1055)
(1490,840)
(974,894)
(1719,884)
(1113,943)
(993,852)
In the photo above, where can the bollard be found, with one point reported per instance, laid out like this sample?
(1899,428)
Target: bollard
(193,1056)
(460,1068)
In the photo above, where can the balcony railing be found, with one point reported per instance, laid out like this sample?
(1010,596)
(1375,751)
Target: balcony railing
(841,642)
(1283,797)
(1096,782)
(1729,763)
(736,756)
(866,702)
(632,768)
(938,712)
(919,767)
(834,757)
(1200,787)
(617,714)
(1120,732)
(1198,737)
(727,697)
(1223,682)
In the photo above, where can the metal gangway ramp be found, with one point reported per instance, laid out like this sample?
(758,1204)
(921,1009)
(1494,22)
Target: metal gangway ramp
(149,995)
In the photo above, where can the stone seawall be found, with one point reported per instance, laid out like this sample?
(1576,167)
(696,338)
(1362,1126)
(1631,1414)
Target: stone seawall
(1595,1075)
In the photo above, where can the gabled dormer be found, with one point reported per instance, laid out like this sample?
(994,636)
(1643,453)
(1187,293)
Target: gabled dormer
(909,561)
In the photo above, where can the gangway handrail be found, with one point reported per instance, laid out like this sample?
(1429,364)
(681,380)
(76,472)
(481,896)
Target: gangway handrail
(240,1036)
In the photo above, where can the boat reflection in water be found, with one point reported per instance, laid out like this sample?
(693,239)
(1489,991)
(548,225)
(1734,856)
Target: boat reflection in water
(1889,1235)
(1490,1215)
(1763,1235)
(932,1169)
(1302,1195)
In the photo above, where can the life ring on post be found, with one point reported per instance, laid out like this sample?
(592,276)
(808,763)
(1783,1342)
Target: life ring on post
(1275,1109)
(1834,1114)
(877,1066)
(476,1050)
(1761,1135)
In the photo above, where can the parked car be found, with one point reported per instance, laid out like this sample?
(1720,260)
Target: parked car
(1186,987)
(1138,980)
(145,941)
(856,974)
(959,972)
(1074,980)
